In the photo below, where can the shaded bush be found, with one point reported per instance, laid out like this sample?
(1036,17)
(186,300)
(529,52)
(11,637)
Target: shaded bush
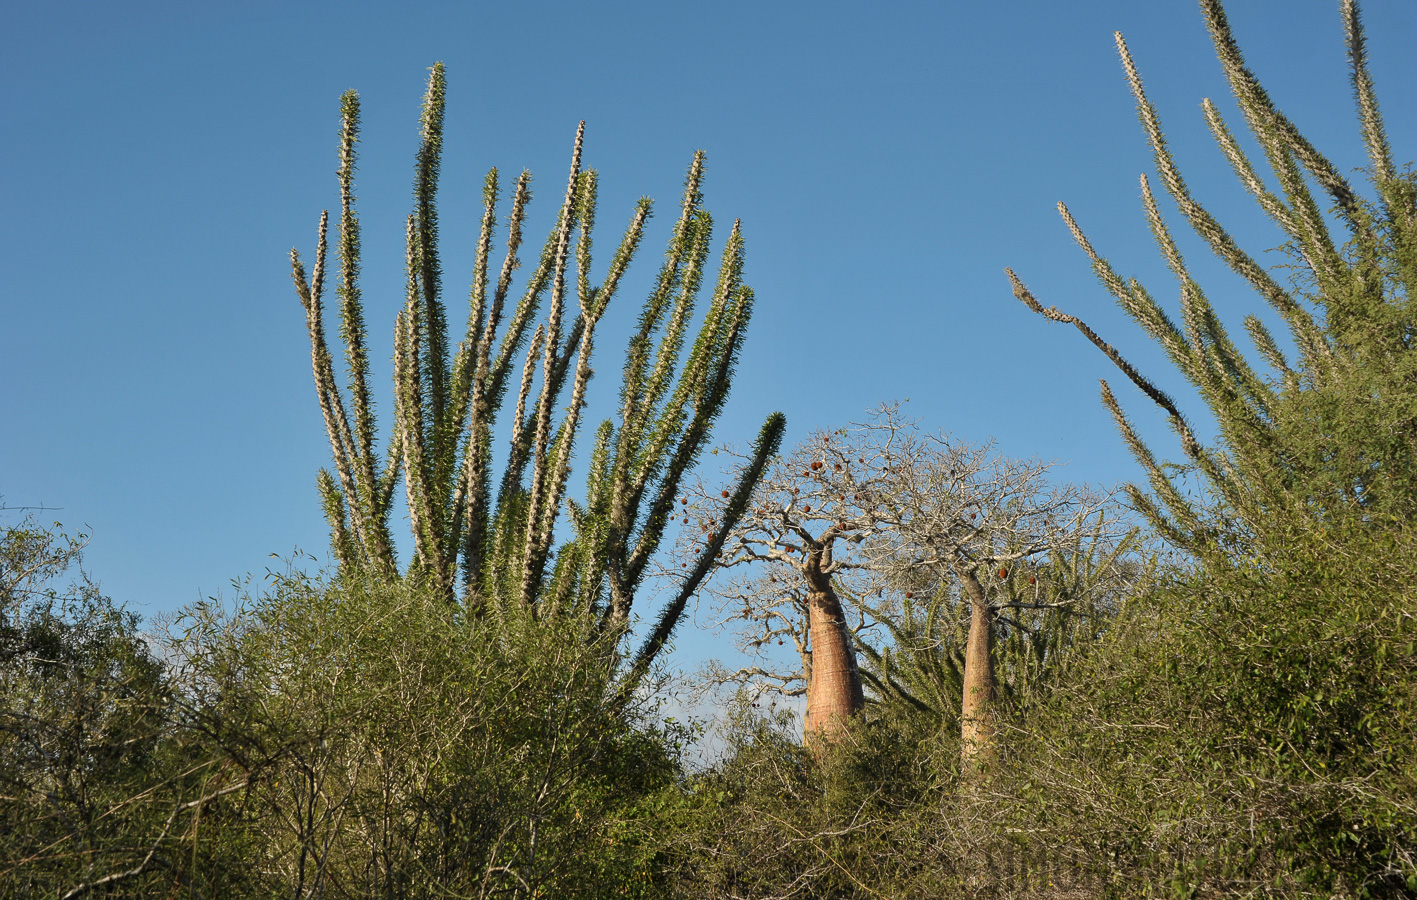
(101,786)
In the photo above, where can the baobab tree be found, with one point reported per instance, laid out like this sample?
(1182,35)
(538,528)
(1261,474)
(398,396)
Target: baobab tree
(858,511)
(799,545)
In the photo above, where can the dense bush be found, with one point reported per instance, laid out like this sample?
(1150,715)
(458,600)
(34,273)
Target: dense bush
(345,739)
(413,752)
(101,783)
(1244,730)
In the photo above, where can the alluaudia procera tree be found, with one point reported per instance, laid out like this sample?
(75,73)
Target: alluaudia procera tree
(485,540)
(1330,435)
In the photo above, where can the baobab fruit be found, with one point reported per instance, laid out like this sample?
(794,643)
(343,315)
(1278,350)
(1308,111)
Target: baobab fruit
(1003,573)
(725,493)
(1031,580)
(816,465)
(909,594)
(836,466)
(807,508)
(684,500)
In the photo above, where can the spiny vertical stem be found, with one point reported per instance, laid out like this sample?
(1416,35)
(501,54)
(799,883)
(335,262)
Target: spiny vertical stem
(593,303)
(406,398)
(586,223)
(636,462)
(519,449)
(671,344)
(412,390)
(764,450)
(1260,111)
(693,438)
(521,196)
(393,470)
(633,405)
(516,459)
(1374,134)
(1245,170)
(331,407)
(590,314)
(481,387)
(1267,346)
(464,373)
(704,382)
(1300,322)
(478,449)
(352,305)
(345,550)
(530,573)
(432,321)
(703,360)
(625,252)
(522,315)
(466,359)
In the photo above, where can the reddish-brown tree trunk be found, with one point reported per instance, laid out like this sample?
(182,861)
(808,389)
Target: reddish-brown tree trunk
(977,709)
(834,692)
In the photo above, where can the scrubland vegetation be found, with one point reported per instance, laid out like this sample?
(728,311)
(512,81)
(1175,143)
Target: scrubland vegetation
(1014,687)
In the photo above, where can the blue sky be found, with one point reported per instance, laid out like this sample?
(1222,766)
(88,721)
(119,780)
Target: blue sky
(158,161)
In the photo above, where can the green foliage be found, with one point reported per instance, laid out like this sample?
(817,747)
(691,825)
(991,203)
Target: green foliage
(1248,729)
(1243,730)
(413,754)
(771,819)
(101,788)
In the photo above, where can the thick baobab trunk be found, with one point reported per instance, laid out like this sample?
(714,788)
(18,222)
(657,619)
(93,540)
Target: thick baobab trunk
(834,693)
(977,709)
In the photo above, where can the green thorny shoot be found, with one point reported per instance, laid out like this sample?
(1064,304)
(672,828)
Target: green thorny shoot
(491,551)
(1348,314)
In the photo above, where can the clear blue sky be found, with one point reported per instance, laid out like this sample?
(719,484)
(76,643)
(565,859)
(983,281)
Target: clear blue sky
(159,160)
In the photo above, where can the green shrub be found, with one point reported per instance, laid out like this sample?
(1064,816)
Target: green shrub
(1243,731)
(406,751)
(100,784)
